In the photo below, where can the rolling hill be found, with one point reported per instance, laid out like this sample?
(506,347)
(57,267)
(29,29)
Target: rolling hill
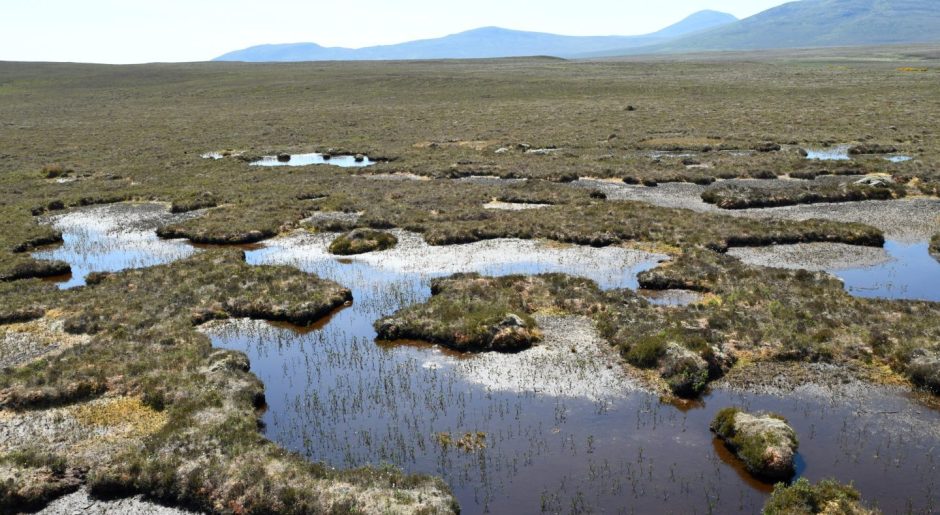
(813,23)
(485,42)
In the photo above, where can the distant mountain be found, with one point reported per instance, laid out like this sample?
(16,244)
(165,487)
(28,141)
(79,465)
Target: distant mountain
(814,23)
(486,42)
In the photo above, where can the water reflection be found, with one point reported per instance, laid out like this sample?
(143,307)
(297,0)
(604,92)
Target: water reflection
(113,237)
(315,159)
(911,273)
(837,153)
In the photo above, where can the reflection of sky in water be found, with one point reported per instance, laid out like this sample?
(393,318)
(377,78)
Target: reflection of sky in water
(112,238)
(314,159)
(912,273)
(839,153)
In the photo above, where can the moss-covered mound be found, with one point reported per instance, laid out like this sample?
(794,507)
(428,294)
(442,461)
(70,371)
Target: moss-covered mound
(466,313)
(765,443)
(804,498)
(360,241)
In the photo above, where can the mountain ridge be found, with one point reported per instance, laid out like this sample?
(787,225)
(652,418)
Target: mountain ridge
(811,24)
(482,42)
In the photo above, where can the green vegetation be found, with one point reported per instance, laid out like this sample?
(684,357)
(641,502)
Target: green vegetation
(360,241)
(804,498)
(30,478)
(935,246)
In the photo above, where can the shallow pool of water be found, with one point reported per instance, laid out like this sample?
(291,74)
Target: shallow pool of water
(586,440)
(315,159)
(899,271)
(911,273)
(837,153)
(113,237)
(899,159)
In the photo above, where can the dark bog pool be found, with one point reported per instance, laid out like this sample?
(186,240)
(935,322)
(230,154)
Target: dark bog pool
(315,159)
(561,435)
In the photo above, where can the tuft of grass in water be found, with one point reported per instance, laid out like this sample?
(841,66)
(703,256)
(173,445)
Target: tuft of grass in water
(360,241)
(804,498)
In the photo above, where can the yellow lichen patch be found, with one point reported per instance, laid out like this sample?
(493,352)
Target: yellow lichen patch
(611,180)
(55,314)
(654,247)
(882,373)
(709,299)
(124,416)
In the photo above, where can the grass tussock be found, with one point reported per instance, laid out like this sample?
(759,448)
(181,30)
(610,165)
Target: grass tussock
(360,241)
(804,498)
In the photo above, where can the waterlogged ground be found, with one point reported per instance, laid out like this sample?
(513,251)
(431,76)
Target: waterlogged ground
(903,269)
(113,237)
(561,427)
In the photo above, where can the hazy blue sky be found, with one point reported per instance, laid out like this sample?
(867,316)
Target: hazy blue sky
(132,31)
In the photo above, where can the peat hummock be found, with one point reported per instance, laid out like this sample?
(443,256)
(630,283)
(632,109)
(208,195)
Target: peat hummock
(765,443)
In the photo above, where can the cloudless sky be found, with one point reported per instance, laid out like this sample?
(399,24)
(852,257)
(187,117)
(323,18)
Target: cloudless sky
(135,31)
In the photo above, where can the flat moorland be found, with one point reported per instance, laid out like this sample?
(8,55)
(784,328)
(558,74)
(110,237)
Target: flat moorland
(128,349)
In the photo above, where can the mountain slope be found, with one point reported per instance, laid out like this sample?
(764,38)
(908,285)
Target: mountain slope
(481,43)
(816,23)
